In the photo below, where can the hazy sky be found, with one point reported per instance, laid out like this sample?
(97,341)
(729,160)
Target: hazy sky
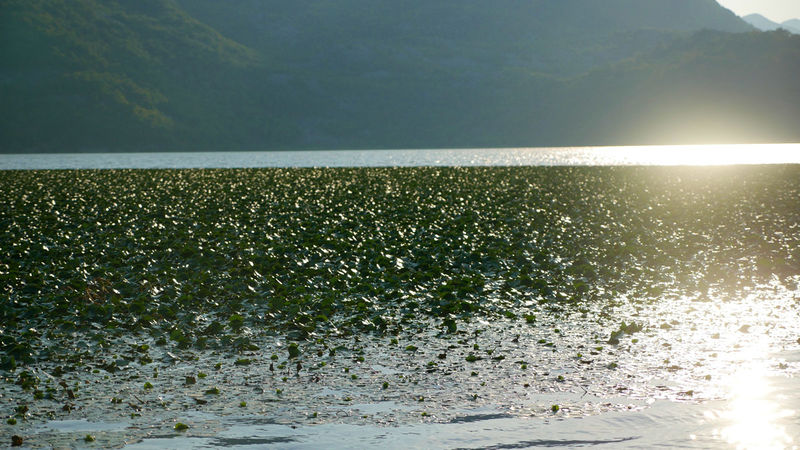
(775,10)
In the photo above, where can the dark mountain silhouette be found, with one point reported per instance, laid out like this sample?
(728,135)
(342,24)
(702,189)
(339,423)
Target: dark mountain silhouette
(556,37)
(268,74)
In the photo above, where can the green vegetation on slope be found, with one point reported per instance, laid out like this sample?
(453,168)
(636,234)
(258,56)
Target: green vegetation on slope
(560,38)
(114,75)
(263,74)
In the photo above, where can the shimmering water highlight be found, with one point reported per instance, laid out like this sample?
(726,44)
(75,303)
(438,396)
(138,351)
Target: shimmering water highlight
(574,156)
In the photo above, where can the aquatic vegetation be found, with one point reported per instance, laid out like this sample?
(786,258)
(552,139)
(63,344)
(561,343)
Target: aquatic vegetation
(488,278)
(179,253)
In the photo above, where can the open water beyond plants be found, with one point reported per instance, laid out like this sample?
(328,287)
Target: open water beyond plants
(445,307)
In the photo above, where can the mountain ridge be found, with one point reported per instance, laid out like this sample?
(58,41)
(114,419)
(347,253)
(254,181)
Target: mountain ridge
(514,29)
(764,24)
(792,25)
(159,75)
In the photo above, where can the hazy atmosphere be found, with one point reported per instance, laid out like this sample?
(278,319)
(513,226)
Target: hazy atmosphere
(777,10)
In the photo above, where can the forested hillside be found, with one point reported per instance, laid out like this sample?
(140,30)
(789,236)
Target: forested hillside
(91,75)
(556,37)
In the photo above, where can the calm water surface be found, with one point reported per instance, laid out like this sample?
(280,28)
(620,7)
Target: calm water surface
(577,156)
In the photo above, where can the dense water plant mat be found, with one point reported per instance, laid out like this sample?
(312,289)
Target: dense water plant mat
(307,296)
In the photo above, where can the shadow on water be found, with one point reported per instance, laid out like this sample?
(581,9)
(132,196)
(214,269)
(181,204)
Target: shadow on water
(238,442)
(479,417)
(560,443)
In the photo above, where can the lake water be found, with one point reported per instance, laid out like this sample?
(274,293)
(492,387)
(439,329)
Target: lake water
(751,401)
(577,156)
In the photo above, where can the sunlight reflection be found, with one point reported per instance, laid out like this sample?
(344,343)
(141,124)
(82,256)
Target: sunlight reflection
(556,156)
(701,155)
(754,416)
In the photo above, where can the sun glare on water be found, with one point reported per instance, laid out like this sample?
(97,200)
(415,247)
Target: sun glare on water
(705,155)
(753,418)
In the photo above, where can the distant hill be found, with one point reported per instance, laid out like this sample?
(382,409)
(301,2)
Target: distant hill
(761,22)
(792,25)
(764,24)
(96,75)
